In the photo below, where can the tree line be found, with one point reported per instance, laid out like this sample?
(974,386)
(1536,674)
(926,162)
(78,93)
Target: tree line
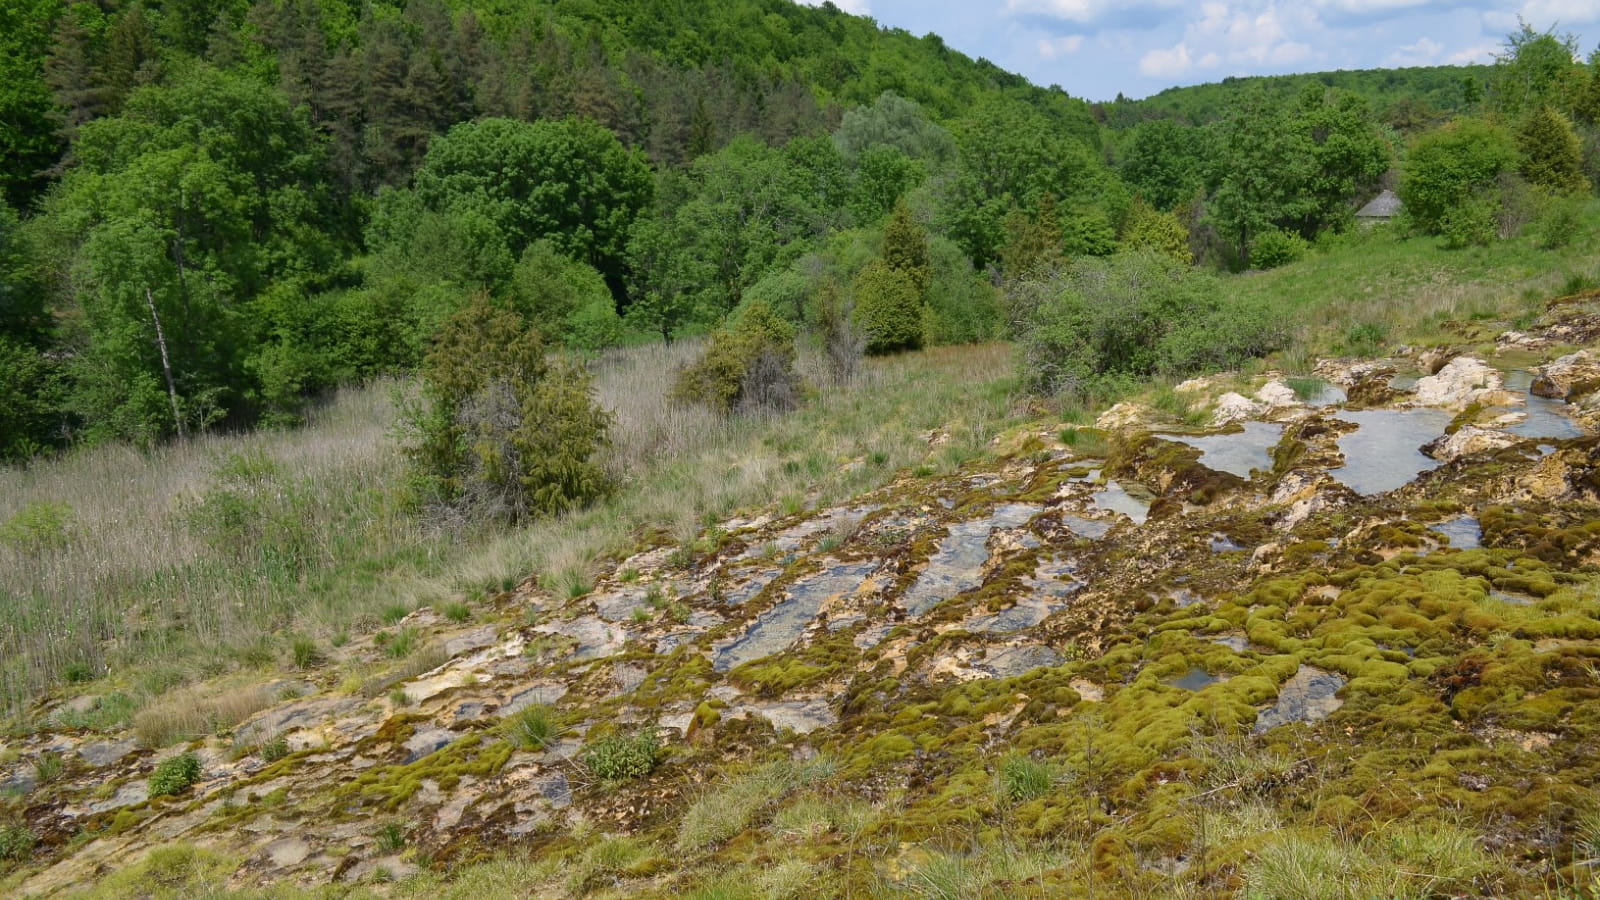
(216,211)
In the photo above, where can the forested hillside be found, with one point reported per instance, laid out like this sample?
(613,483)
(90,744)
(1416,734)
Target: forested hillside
(1406,99)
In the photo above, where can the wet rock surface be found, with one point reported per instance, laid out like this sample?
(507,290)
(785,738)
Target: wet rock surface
(1277,572)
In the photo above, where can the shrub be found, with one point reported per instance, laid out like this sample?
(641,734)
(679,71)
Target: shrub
(38,527)
(1472,222)
(1552,155)
(1158,232)
(1560,222)
(16,842)
(1446,167)
(564,299)
(1277,248)
(749,366)
(888,309)
(1102,321)
(175,775)
(505,433)
(619,757)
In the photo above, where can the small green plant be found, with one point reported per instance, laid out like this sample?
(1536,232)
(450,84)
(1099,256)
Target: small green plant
(640,615)
(1023,778)
(48,767)
(391,837)
(273,750)
(531,729)
(1365,339)
(1278,248)
(38,527)
(394,613)
(305,653)
(16,842)
(1304,386)
(399,697)
(78,672)
(401,643)
(620,757)
(175,775)
(457,612)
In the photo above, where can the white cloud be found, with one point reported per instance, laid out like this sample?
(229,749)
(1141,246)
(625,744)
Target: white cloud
(1050,48)
(1166,63)
(854,7)
(1242,36)
(1425,52)
(1545,13)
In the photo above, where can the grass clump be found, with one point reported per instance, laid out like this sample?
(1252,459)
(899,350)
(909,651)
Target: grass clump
(533,728)
(731,808)
(621,757)
(16,842)
(390,837)
(1023,778)
(175,775)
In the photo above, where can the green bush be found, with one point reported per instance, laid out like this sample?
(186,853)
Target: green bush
(1560,222)
(1449,166)
(1278,248)
(748,367)
(1552,155)
(505,432)
(565,300)
(888,309)
(16,842)
(1472,222)
(1103,321)
(38,527)
(175,775)
(619,757)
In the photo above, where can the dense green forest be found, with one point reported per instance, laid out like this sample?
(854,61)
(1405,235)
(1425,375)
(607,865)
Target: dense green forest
(1407,99)
(214,212)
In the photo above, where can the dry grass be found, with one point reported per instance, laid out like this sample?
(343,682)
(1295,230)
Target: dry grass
(186,714)
(200,558)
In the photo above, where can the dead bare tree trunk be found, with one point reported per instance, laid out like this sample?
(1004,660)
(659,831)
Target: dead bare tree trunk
(166,364)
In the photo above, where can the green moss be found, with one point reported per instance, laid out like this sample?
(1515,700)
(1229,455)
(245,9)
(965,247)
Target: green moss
(389,787)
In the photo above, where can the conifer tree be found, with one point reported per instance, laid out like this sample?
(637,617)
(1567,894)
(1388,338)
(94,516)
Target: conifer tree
(905,249)
(1552,156)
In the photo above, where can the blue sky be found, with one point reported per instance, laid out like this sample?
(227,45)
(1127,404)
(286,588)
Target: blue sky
(1095,48)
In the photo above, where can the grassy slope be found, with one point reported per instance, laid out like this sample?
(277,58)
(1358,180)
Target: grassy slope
(200,558)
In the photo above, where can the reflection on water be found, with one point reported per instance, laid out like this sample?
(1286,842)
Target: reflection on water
(1237,452)
(1194,679)
(1384,452)
(1546,418)
(1133,501)
(957,565)
(1463,532)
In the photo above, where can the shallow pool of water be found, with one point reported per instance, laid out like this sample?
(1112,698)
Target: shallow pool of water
(1384,452)
(1194,679)
(1132,502)
(1326,393)
(776,629)
(1463,532)
(1546,418)
(1237,452)
(957,564)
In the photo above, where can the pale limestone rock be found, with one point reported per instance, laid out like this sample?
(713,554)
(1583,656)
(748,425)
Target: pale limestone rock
(1467,441)
(1570,376)
(1232,407)
(1121,416)
(1463,381)
(1276,393)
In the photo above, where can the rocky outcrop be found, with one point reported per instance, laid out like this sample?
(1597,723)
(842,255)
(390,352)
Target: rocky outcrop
(1569,377)
(1459,383)
(1467,441)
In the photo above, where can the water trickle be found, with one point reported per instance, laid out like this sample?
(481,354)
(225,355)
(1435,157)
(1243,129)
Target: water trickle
(1238,643)
(1093,529)
(1513,599)
(790,539)
(1194,679)
(1013,661)
(1463,532)
(957,564)
(1134,503)
(1405,381)
(1383,452)
(1546,418)
(1307,697)
(778,628)
(1221,543)
(1236,452)
(745,591)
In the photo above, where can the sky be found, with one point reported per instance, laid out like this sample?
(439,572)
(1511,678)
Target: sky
(1097,48)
